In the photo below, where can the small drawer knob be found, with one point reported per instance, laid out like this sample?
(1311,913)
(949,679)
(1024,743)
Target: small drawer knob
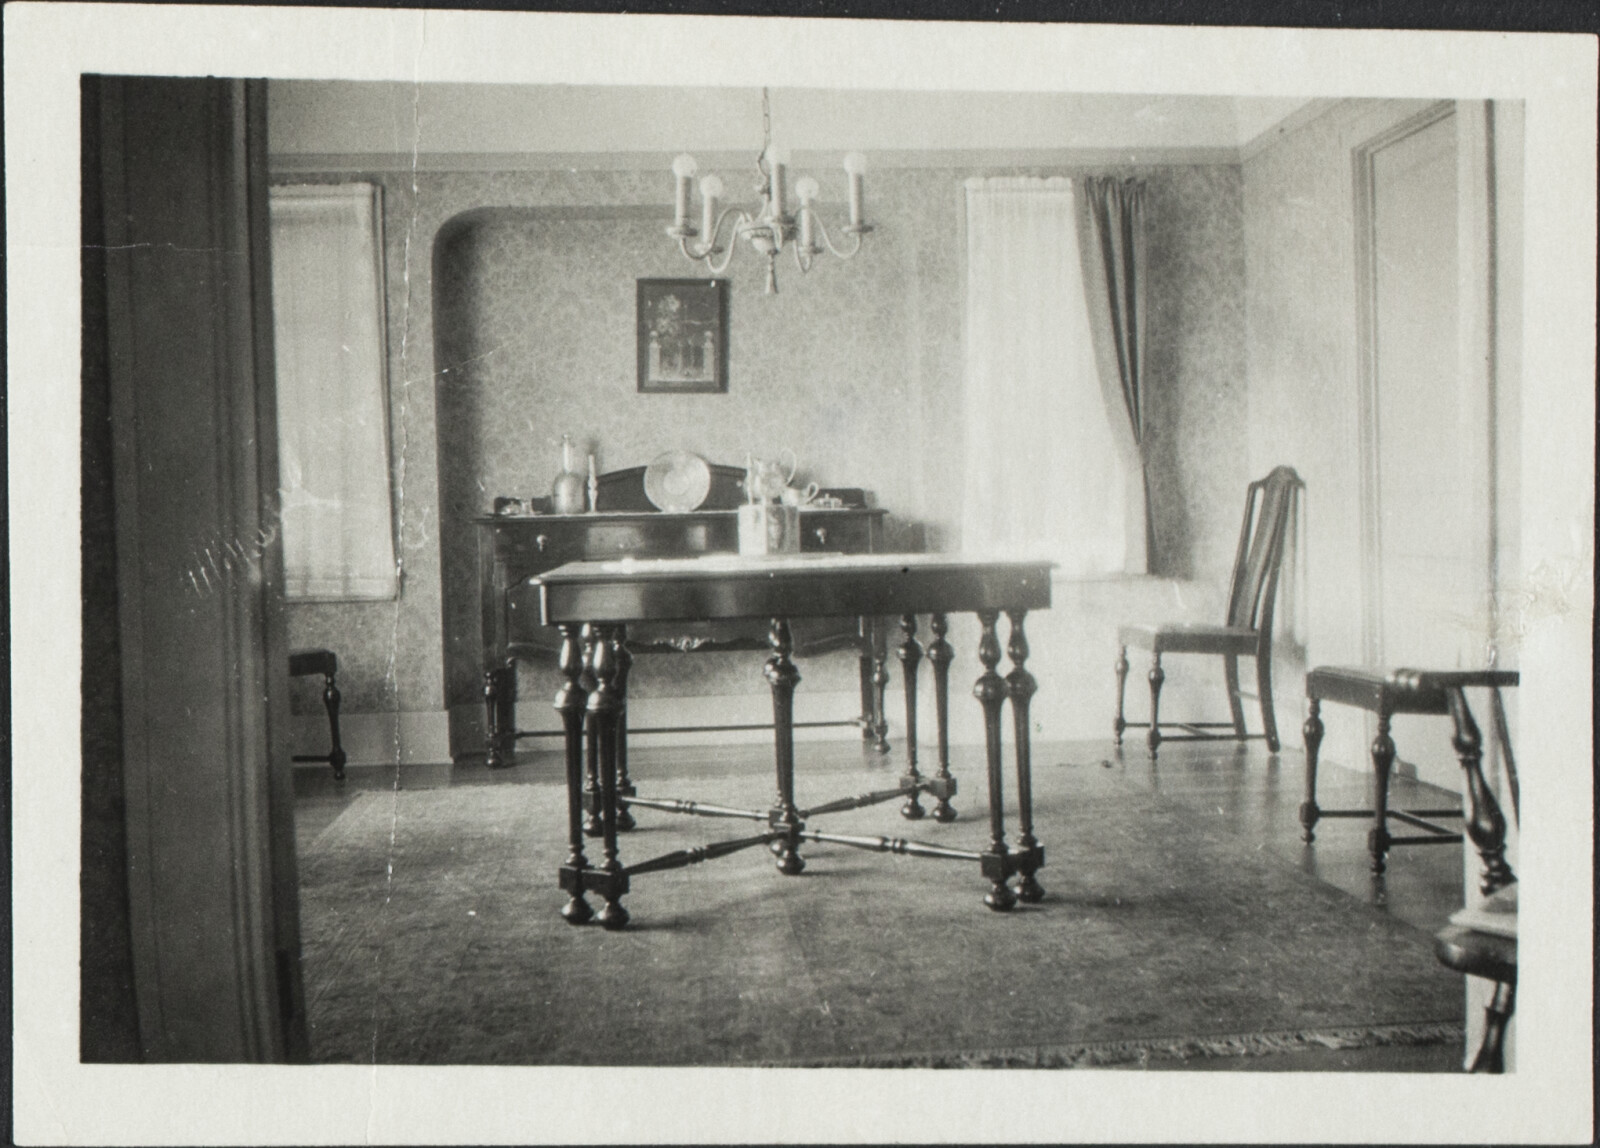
(541,540)
(822,534)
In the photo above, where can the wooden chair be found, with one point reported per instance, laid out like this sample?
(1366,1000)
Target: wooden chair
(303,663)
(1482,941)
(1246,632)
(1386,694)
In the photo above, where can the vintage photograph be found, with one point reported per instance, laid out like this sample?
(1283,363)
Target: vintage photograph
(683,335)
(1111,595)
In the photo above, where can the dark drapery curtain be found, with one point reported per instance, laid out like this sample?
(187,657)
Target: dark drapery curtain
(1111,217)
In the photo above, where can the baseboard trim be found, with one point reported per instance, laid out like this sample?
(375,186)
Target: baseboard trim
(403,738)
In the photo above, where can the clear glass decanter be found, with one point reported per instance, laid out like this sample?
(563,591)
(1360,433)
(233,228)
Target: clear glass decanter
(566,493)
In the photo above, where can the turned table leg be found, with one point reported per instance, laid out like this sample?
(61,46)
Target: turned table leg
(940,655)
(570,703)
(625,787)
(1309,812)
(1021,686)
(783,676)
(869,720)
(910,656)
(603,709)
(880,683)
(591,734)
(990,690)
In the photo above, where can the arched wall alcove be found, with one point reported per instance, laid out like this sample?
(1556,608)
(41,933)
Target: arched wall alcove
(534,321)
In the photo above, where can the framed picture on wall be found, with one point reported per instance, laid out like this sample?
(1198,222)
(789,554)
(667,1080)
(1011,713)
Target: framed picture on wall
(683,336)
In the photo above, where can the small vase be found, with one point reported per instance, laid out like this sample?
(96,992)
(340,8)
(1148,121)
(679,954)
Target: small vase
(566,493)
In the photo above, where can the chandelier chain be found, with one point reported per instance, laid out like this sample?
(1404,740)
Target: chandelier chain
(764,159)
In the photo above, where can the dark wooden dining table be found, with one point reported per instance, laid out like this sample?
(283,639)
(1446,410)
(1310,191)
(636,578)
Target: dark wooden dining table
(591,604)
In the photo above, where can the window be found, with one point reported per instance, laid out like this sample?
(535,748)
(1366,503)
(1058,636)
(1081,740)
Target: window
(1046,475)
(333,409)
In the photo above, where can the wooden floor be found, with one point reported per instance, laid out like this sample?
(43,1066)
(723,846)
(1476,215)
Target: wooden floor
(1256,793)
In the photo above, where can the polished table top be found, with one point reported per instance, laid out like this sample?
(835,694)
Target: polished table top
(799,585)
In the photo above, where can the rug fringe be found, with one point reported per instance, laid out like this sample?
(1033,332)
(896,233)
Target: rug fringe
(1181,1048)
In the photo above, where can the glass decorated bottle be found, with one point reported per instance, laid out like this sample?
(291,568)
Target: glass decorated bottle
(566,493)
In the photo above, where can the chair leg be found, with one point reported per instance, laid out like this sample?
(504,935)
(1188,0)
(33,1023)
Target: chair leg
(1491,1053)
(1157,676)
(1230,670)
(1382,763)
(1310,814)
(1269,722)
(1118,725)
(330,699)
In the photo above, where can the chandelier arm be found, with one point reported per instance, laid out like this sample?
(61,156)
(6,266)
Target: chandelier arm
(803,258)
(707,253)
(827,240)
(740,219)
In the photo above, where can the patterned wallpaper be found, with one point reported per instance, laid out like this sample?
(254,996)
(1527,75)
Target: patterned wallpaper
(511,324)
(1196,361)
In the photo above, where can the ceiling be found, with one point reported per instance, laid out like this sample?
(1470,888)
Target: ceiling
(343,118)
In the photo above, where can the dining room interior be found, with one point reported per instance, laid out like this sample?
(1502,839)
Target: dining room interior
(1066,334)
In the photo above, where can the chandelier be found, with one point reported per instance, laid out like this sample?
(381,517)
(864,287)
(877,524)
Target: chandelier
(773,228)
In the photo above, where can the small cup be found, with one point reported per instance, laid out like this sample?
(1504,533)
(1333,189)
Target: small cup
(800,496)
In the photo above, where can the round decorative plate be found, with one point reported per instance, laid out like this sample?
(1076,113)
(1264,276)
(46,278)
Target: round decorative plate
(677,482)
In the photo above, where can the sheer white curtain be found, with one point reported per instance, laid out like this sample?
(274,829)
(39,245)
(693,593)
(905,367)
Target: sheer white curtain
(1044,474)
(333,409)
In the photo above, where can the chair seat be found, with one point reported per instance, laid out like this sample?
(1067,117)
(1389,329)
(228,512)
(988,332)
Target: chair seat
(313,661)
(1477,953)
(1190,638)
(1398,691)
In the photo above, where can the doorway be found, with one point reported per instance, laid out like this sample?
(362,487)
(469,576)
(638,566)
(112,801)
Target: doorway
(1427,431)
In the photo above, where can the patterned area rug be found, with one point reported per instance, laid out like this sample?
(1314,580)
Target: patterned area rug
(432,936)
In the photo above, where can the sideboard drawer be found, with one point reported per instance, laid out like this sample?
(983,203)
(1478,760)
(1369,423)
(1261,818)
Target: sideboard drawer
(830,530)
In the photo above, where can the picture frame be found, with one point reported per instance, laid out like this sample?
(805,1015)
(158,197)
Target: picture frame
(682,336)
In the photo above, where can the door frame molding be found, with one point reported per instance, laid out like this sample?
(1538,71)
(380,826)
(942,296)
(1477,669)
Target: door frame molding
(1370,487)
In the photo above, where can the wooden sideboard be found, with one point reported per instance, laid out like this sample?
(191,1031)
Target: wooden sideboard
(515,549)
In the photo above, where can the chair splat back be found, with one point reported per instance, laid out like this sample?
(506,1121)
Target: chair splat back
(1260,556)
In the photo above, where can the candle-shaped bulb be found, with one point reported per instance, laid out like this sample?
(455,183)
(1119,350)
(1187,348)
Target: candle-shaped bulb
(710,192)
(855,166)
(779,159)
(683,168)
(806,188)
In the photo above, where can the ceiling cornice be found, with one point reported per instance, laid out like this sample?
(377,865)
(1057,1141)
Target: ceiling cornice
(964,160)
